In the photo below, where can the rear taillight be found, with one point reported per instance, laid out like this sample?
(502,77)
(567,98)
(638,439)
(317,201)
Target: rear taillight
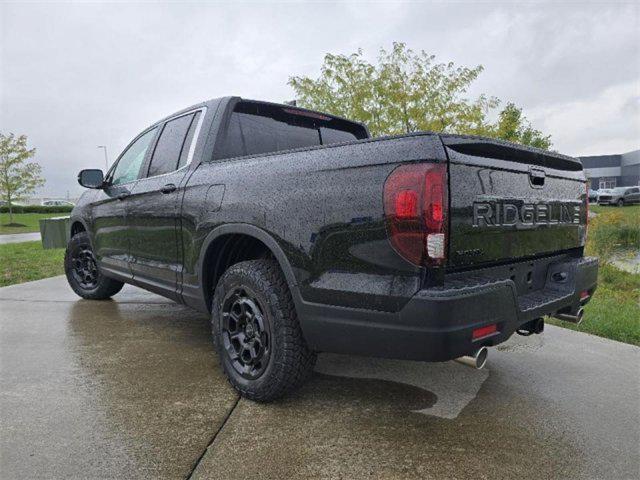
(415,206)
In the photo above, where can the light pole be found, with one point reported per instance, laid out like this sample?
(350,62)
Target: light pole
(106,161)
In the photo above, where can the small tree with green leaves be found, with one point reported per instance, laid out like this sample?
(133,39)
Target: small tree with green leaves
(513,126)
(405,92)
(17,176)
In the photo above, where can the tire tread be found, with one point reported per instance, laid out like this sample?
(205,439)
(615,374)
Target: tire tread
(295,361)
(107,287)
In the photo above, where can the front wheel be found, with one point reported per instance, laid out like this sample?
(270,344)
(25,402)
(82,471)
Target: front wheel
(256,332)
(82,271)
(620,203)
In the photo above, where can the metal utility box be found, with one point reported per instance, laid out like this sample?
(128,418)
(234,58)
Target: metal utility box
(54,232)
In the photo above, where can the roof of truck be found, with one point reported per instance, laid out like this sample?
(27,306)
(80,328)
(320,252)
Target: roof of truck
(214,103)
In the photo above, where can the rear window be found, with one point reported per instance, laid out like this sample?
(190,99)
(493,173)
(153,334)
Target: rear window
(331,135)
(255,128)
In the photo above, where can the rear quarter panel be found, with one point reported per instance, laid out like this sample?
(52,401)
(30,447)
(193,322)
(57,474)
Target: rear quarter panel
(323,207)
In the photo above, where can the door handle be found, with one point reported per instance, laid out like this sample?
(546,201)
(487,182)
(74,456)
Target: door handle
(122,196)
(168,188)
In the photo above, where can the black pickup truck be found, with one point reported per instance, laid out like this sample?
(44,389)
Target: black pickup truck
(298,234)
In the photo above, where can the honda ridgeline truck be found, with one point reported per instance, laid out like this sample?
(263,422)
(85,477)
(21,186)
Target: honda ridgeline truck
(298,234)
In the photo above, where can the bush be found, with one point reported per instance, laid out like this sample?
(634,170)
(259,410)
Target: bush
(36,209)
(612,231)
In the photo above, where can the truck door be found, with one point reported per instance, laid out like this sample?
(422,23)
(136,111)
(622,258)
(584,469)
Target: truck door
(110,238)
(153,207)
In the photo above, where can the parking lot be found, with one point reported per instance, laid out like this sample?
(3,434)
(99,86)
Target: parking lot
(131,388)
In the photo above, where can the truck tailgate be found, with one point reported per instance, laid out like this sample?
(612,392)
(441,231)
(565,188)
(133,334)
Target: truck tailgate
(509,202)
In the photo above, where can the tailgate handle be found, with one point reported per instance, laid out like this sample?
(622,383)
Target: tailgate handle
(536,177)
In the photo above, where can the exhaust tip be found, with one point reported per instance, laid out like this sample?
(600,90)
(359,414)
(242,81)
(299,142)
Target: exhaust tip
(481,357)
(567,317)
(478,360)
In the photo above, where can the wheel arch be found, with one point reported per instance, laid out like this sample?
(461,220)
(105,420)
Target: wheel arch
(76,226)
(240,242)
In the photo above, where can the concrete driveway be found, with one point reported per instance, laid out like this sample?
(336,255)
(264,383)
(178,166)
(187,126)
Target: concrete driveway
(131,388)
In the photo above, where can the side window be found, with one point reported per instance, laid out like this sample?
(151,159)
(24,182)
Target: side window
(184,156)
(166,155)
(128,166)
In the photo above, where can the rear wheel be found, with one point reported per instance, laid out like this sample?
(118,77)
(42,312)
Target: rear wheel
(256,332)
(82,271)
(620,203)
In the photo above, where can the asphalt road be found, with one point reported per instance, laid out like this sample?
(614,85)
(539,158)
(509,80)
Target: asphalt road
(132,389)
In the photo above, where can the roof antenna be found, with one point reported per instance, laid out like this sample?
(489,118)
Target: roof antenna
(293,103)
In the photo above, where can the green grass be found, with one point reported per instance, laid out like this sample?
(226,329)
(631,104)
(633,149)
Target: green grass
(628,212)
(614,228)
(29,220)
(614,232)
(614,310)
(24,262)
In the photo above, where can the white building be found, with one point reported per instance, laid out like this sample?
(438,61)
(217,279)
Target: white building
(610,171)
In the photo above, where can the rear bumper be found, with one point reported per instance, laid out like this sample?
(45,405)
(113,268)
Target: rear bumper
(437,323)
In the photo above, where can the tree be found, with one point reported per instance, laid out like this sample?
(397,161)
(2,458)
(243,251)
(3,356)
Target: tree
(405,92)
(17,178)
(513,126)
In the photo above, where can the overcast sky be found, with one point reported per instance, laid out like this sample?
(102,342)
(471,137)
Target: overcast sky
(74,76)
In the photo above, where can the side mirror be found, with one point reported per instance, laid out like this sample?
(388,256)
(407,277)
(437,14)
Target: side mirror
(91,178)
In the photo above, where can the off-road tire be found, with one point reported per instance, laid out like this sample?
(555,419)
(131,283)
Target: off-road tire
(103,287)
(290,361)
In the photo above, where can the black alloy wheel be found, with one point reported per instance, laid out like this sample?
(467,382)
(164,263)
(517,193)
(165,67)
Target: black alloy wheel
(85,270)
(256,331)
(82,271)
(246,333)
